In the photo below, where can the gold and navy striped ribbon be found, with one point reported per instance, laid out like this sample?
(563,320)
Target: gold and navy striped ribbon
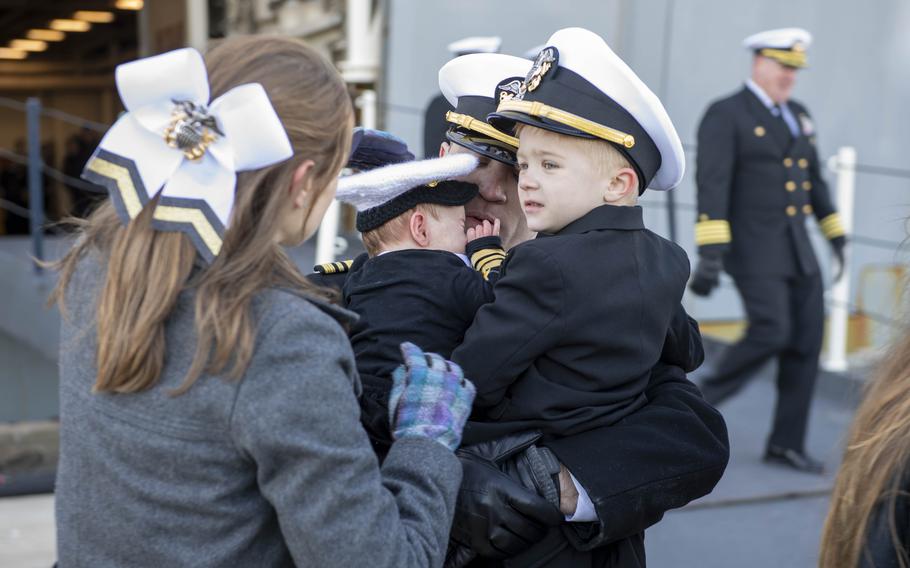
(129,196)
(486,260)
(716,232)
(334,267)
(832,226)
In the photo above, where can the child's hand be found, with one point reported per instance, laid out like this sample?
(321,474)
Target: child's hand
(485,229)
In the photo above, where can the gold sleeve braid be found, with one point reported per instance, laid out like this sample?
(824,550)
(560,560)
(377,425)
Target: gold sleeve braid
(832,226)
(333,267)
(714,232)
(486,260)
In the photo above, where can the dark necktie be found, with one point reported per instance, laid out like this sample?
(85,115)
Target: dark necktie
(779,112)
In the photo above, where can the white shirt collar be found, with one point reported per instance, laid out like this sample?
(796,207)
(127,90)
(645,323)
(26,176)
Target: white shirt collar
(761,94)
(463,257)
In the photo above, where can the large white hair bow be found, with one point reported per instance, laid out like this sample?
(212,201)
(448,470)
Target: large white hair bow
(173,141)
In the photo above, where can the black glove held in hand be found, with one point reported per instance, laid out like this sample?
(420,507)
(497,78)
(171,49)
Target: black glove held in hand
(538,470)
(495,515)
(707,274)
(838,244)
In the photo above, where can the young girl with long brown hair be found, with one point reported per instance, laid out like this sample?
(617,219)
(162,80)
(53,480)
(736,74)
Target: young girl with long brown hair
(209,411)
(868,524)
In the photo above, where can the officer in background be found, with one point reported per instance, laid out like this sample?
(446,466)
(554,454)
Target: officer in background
(758,177)
(434,123)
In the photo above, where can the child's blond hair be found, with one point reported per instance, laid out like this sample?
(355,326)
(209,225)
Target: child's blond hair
(394,230)
(607,159)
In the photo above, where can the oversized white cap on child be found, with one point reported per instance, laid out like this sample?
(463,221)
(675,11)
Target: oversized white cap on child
(577,86)
(384,193)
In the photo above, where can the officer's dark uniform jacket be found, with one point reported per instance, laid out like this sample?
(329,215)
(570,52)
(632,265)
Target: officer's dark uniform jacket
(579,320)
(753,198)
(671,451)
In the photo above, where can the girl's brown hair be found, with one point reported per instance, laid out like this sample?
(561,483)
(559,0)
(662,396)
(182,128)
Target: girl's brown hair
(148,269)
(874,465)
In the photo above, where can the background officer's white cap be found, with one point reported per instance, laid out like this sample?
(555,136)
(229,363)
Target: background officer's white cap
(477,44)
(473,85)
(786,45)
(579,87)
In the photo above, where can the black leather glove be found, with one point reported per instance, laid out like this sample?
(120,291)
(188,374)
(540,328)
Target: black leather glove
(538,470)
(707,274)
(495,515)
(838,244)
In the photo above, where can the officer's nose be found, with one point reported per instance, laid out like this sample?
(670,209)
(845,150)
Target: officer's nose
(494,188)
(493,192)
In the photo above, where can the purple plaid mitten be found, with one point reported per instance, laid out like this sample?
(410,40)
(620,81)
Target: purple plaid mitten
(430,398)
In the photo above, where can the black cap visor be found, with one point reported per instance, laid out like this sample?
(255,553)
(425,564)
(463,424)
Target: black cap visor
(482,145)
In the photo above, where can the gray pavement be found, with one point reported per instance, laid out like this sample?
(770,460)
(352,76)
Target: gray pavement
(758,515)
(27,532)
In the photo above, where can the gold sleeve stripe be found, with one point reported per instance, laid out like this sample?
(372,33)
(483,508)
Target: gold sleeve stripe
(487,254)
(715,232)
(832,226)
(334,267)
(488,264)
(486,260)
(485,257)
(485,271)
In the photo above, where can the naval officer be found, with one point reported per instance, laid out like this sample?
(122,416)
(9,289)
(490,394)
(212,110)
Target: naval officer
(759,180)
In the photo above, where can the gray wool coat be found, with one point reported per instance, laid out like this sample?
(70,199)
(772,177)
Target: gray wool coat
(272,470)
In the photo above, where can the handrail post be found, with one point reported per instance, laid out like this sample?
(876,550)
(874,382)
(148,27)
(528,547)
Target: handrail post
(35,179)
(838,315)
(363,37)
(328,241)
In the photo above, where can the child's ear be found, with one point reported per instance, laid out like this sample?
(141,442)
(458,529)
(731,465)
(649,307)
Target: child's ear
(443,149)
(623,186)
(301,184)
(420,229)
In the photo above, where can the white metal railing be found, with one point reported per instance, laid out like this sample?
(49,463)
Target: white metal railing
(844,165)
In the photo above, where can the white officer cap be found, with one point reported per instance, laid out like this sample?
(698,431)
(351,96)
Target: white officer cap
(785,45)
(577,86)
(477,44)
(473,85)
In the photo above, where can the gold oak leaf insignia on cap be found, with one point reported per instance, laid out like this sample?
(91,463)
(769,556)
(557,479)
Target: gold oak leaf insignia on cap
(508,89)
(546,60)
